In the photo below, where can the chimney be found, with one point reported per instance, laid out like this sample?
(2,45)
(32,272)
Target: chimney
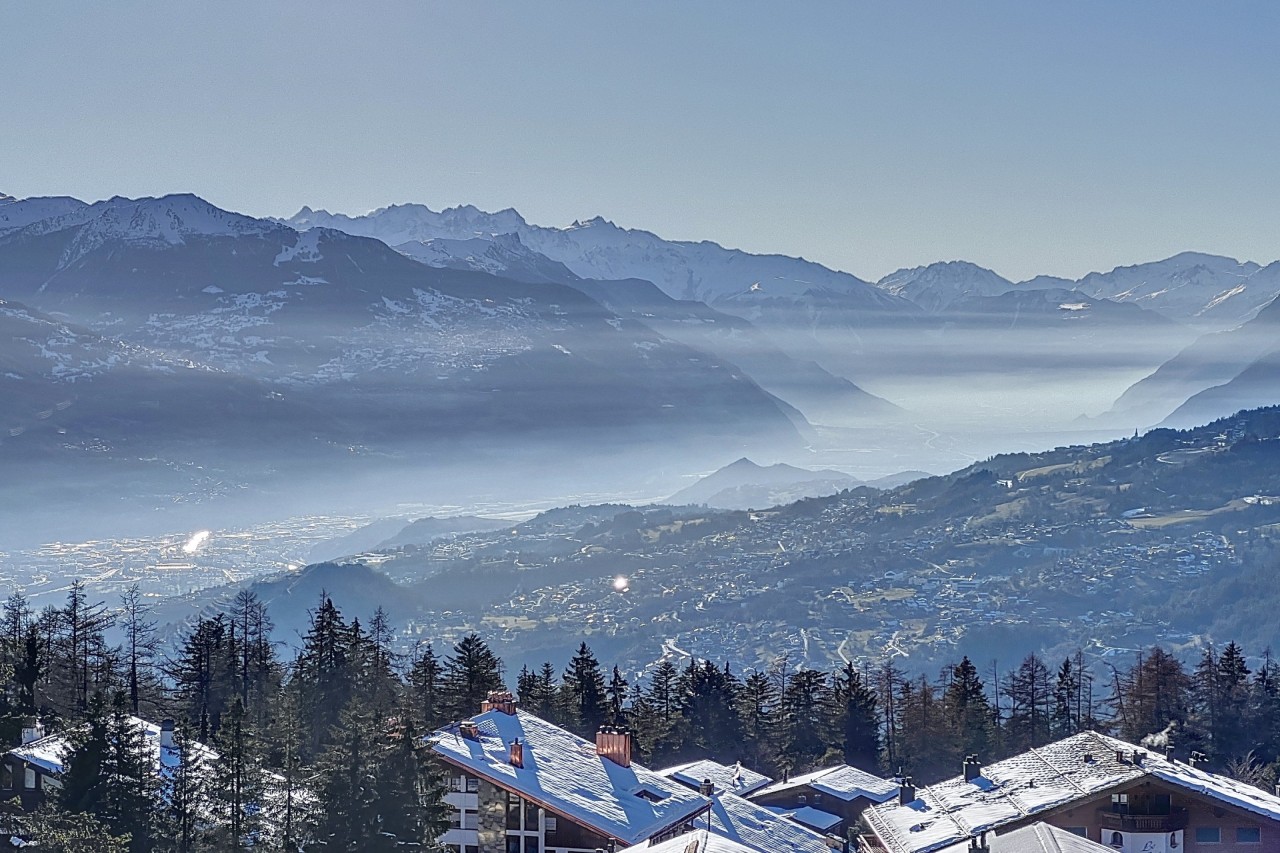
(1168,751)
(1197,758)
(614,743)
(1120,757)
(166,734)
(906,792)
(972,768)
(1138,756)
(499,700)
(707,788)
(978,843)
(516,754)
(32,730)
(468,730)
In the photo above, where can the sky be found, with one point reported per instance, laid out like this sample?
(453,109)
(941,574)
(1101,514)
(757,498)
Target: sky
(1031,138)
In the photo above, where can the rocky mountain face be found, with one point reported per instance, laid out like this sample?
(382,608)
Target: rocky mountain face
(1209,292)
(937,286)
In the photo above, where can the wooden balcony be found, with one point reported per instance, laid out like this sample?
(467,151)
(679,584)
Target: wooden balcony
(1172,822)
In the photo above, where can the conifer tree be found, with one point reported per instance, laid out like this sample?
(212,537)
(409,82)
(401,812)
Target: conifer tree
(468,676)
(967,717)
(758,702)
(323,675)
(1030,705)
(583,688)
(140,648)
(130,791)
(616,693)
(410,785)
(349,816)
(183,822)
(807,729)
(82,780)
(857,719)
(424,684)
(237,790)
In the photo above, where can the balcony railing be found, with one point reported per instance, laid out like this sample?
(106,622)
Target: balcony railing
(1172,822)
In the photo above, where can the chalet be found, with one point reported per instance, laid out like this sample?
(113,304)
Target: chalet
(1125,797)
(828,800)
(734,778)
(1034,838)
(518,784)
(35,767)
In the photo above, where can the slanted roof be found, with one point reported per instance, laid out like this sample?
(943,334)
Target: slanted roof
(761,829)
(51,753)
(842,781)
(1040,780)
(732,777)
(698,841)
(562,772)
(809,816)
(1036,838)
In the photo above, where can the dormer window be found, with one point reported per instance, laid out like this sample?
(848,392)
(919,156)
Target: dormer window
(651,795)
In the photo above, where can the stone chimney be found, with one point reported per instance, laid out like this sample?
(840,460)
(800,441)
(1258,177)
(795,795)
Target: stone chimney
(972,768)
(906,791)
(166,734)
(32,730)
(499,700)
(614,744)
(516,753)
(707,788)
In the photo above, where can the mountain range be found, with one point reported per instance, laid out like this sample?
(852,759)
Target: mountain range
(207,352)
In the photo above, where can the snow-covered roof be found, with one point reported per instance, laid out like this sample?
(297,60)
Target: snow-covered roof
(1036,838)
(726,777)
(761,829)
(563,773)
(698,841)
(809,816)
(842,781)
(50,753)
(1039,780)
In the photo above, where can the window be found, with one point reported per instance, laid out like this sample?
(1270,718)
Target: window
(6,777)
(1208,835)
(1120,803)
(549,823)
(817,798)
(1248,835)
(802,800)
(473,785)
(455,783)
(29,778)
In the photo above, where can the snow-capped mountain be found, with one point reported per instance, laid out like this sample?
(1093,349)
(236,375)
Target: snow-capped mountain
(936,286)
(501,254)
(599,249)
(1206,291)
(331,317)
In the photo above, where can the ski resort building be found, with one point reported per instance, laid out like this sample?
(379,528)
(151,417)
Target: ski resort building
(1122,796)
(828,800)
(33,769)
(519,784)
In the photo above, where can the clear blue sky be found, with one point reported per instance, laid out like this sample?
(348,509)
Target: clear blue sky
(1025,136)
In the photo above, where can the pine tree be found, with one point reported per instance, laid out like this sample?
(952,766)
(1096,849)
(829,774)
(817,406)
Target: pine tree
(967,716)
(237,790)
(468,676)
(203,675)
(130,792)
(140,647)
(1030,705)
(857,719)
(1150,695)
(616,693)
(323,675)
(349,817)
(806,726)
(410,786)
(183,821)
(583,689)
(82,780)
(53,829)
(758,703)
(424,683)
